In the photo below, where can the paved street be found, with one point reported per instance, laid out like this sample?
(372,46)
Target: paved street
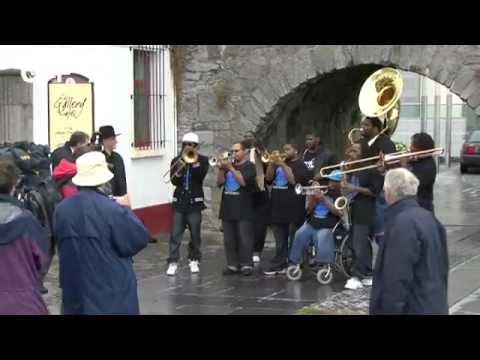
(457,200)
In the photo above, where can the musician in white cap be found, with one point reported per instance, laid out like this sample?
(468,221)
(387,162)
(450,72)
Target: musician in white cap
(188,204)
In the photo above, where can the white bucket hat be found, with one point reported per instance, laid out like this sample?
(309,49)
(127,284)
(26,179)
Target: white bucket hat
(92,170)
(190,138)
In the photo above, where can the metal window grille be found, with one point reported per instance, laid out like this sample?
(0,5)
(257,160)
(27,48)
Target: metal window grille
(149,96)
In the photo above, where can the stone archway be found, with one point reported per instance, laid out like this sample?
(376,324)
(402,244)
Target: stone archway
(222,91)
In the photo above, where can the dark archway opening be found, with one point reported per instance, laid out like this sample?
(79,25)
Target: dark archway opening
(327,105)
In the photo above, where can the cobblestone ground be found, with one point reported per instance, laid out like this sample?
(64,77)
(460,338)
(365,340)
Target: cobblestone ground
(457,205)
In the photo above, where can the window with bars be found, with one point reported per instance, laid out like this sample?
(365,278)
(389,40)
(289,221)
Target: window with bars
(149,96)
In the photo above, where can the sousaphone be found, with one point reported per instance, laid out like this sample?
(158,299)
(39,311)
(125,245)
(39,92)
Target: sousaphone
(380,97)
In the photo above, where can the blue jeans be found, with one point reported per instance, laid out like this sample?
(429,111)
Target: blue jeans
(321,238)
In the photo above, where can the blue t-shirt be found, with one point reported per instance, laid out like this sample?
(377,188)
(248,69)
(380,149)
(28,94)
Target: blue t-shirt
(280,177)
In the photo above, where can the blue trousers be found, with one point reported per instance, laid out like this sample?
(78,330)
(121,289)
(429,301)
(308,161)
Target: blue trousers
(322,239)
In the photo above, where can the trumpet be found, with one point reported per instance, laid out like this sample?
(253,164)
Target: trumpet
(216,161)
(388,159)
(189,156)
(310,190)
(273,156)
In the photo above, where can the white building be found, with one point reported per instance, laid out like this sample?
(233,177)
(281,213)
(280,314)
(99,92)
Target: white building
(133,91)
(416,87)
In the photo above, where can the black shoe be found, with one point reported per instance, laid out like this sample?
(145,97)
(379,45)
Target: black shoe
(152,240)
(230,271)
(247,271)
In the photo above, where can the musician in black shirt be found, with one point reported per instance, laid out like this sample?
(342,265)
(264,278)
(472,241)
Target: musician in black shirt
(367,184)
(236,210)
(424,169)
(371,127)
(287,208)
(316,155)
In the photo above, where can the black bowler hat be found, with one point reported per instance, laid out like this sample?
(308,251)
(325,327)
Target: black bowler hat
(107,132)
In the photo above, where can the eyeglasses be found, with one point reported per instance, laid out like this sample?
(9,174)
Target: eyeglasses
(190,144)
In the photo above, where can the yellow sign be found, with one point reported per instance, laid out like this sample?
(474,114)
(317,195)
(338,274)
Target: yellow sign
(70,108)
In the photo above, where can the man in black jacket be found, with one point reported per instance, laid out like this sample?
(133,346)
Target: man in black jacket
(411,270)
(108,139)
(188,203)
(77,140)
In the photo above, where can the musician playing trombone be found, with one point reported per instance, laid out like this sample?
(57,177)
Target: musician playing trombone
(188,203)
(367,184)
(284,171)
(424,168)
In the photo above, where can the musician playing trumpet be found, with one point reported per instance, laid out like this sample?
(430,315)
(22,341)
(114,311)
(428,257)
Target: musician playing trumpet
(188,204)
(318,229)
(284,171)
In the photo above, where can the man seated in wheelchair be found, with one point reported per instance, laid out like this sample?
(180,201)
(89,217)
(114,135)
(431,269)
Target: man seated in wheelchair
(318,229)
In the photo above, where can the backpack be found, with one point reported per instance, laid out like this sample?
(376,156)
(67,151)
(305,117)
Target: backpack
(35,188)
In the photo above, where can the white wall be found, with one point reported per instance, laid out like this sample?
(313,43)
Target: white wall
(110,68)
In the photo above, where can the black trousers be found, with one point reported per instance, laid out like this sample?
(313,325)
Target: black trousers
(284,235)
(362,251)
(180,221)
(238,242)
(262,216)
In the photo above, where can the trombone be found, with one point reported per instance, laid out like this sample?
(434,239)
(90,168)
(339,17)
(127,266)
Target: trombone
(217,160)
(187,157)
(273,156)
(310,190)
(388,159)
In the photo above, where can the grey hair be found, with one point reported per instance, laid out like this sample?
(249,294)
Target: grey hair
(401,183)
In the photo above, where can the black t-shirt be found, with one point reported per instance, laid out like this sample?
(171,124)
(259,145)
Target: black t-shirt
(314,161)
(363,206)
(426,172)
(383,144)
(237,201)
(286,205)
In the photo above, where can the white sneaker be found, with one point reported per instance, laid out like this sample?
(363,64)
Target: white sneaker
(172,269)
(256,258)
(353,284)
(368,281)
(194,267)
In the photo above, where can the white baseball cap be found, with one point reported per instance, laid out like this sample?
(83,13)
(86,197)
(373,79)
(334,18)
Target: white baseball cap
(190,138)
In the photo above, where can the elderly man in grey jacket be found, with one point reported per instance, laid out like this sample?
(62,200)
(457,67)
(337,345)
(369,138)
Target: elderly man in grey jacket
(411,271)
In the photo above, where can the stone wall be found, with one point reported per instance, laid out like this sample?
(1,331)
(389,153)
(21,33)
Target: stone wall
(282,91)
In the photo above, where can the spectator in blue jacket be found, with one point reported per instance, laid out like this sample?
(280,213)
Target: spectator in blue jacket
(97,239)
(411,271)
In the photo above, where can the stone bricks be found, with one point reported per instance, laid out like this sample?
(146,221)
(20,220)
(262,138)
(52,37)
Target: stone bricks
(229,89)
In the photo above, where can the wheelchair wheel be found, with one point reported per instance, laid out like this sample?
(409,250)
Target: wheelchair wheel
(294,273)
(325,275)
(346,256)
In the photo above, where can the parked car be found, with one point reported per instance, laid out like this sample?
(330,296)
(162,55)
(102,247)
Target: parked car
(470,155)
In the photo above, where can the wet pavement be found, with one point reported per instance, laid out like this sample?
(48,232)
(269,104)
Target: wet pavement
(457,203)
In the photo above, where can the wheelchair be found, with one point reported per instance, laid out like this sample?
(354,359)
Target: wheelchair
(343,257)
